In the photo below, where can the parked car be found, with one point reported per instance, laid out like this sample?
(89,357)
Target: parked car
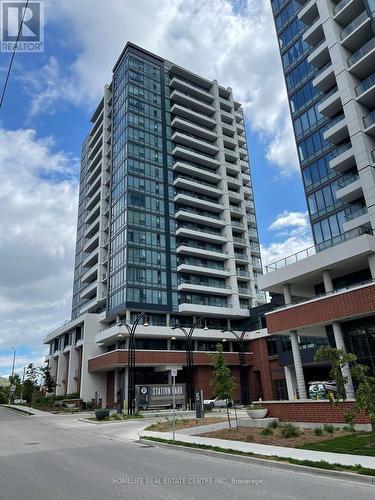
(209,404)
(19,401)
(322,390)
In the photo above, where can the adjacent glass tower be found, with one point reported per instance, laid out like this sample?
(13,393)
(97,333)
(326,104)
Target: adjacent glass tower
(166,216)
(327,51)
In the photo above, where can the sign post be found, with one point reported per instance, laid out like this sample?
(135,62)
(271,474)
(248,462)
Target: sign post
(174,374)
(199,413)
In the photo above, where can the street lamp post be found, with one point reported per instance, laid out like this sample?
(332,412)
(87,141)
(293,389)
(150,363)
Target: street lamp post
(12,385)
(190,360)
(131,360)
(245,390)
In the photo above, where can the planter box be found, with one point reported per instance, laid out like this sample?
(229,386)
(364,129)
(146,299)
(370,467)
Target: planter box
(258,413)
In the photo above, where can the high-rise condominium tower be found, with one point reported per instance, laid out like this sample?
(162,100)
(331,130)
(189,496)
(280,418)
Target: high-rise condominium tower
(328,55)
(166,223)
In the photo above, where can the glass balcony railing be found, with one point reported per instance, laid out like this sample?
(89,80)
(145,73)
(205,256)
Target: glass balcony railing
(340,149)
(354,25)
(340,6)
(369,119)
(365,85)
(354,211)
(240,272)
(199,181)
(335,121)
(328,94)
(347,179)
(197,263)
(211,284)
(308,252)
(201,213)
(365,49)
(199,229)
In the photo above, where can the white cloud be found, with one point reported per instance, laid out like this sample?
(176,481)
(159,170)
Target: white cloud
(292,234)
(238,48)
(38,196)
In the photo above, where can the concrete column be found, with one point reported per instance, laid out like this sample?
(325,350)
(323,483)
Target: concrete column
(291,382)
(345,370)
(328,285)
(287,294)
(298,365)
(371,263)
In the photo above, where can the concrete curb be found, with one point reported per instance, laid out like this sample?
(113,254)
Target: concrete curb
(24,413)
(269,463)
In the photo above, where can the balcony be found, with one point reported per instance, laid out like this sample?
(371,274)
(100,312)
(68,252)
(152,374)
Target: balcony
(188,126)
(325,78)
(347,10)
(342,158)
(200,287)
(90,291)
(362,61)
(90,275)
(337,130)
(241,242)
(209,219)
(191,114)
(91,244)
(331,103)
(188,87)
(315,250)
(92,228)
(88,306)
(369,123)
(315,34)
(91,259)
(357,33)
(195,143)
(204,269)
(188,100)
(187,249)
(194,200)
(349,188)
(196,170)
(199,233)
(197,185)
(365,92)
(308,12)
(228,129)
(320,55)
(195,157)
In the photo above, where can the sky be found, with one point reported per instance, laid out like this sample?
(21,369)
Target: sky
(46,114)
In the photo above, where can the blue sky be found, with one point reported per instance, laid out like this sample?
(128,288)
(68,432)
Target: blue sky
(46,113)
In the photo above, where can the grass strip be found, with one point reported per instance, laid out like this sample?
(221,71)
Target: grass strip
(322,464)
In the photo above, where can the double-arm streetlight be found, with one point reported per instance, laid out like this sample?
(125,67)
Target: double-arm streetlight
(131,359)
(189,359)
(240,338)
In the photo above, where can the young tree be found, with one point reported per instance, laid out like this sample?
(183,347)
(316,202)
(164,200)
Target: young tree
(31,382)
(365,384)
(48,381)
(223,383)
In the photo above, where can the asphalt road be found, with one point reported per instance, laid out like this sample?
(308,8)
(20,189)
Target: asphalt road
(44,459)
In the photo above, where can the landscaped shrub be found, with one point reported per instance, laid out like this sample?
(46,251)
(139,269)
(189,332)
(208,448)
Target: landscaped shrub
(249,438)
(318,431)
(274,425)
(289,430)
(267,432)
(329,428)
(115,416)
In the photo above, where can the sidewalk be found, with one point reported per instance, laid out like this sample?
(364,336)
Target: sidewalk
(267,450)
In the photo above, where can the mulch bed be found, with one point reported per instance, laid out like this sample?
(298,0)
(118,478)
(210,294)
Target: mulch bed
(253,435)
(166,426)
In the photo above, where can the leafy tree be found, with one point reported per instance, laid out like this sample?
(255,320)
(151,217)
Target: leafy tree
(365,384)
(223,383)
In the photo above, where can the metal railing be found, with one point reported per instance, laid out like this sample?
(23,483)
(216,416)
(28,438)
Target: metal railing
(308,252)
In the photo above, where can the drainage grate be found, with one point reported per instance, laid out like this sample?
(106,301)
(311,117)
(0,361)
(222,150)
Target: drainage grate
(31,443)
